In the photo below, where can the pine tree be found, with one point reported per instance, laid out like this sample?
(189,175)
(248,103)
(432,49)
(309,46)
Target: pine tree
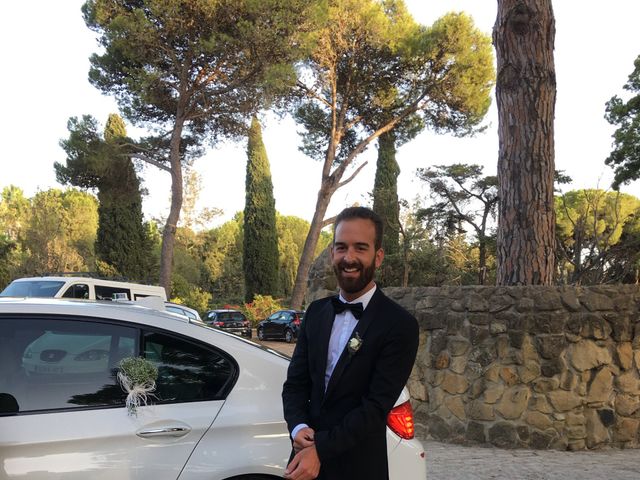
(260,258)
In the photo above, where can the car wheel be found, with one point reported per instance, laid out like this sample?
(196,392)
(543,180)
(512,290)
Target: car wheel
(288,336)
(260,334)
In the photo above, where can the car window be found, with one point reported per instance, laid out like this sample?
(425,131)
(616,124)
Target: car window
(77,290)
(274,316)
(109,293)
(56,364)
(43,288)
(188,372)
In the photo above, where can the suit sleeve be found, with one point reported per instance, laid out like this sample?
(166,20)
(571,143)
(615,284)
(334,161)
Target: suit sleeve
(391,372)
(296,391)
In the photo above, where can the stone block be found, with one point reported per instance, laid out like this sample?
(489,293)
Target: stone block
(478,334)
(627,405)
(624,355)
(492,373)
(529,372)
(497,327)
(541,440)
(595,327)
(509,376)
(564,401)
(474,370)
(455,323)
(570,300)
(503,435)
(636,358)
(576,445)
(601,387)
(548,323)
(574,324)
(442,360)
(550,368)
(458,364)
(595,302)
(432,320)
(568,380)
(586,355)
(538,420)
(458,346)
(514,402)
(546,300)
(483,354)
(551,346)
(475,433)
(434,377)
(457,306)
(453,383)
(455,406)
(539,403)
(626,430)
(477,388)
(525,305)
(628,382)
(476,303)
(436,398)
(438,428)
(523,434)
(417,390)
(574,419)
(621,327)
(544,385)
(478,410)
(428,302)
(493,392)
(516,337)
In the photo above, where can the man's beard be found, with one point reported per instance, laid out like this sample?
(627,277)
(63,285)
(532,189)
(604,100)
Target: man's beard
(354,284)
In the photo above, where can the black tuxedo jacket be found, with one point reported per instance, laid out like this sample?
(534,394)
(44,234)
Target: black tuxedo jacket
(349,419)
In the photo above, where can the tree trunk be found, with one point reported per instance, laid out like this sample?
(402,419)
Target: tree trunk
(524,36)
(482,260)
(169,232)
(300,285)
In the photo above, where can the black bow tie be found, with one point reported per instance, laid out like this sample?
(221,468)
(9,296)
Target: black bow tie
(339,306)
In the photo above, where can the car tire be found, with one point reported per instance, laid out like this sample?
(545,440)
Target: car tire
(288,335)
(260,334)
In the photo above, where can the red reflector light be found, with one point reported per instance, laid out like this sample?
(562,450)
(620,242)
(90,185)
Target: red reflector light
(400,421)
(296,322)
(219,324)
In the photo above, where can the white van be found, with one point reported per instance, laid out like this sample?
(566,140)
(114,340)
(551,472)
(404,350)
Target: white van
(81,287)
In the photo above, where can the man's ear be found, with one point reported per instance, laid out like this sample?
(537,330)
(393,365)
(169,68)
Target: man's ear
(379,257)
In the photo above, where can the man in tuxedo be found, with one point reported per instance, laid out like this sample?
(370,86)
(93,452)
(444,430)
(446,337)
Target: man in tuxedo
(353,357)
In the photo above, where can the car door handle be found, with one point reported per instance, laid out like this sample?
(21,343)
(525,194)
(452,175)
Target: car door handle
(174,430)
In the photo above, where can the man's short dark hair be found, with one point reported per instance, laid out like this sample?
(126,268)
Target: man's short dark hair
(351,213)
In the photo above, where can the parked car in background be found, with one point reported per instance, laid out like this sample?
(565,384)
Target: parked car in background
(182,310)
(281,325)
(214,393)
(232,321)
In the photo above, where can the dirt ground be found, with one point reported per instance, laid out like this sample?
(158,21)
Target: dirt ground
(280,346)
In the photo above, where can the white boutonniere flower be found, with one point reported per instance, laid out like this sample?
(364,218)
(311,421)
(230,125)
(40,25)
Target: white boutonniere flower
(354,344)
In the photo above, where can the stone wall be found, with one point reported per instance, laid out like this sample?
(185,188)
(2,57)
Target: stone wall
(536,367)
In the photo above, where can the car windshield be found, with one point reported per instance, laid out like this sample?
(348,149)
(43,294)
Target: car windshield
(230,317)
(32,288)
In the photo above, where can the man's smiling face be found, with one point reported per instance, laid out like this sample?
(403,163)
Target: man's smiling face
(354,256)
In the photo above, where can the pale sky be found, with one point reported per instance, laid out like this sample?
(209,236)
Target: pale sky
(45,48)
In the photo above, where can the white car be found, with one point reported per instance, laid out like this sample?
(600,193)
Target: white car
(216,413)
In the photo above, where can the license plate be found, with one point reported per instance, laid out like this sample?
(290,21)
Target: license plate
(47,369)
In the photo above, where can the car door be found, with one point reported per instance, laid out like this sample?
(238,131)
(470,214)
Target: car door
(270,325)
(283,323)
(63,414)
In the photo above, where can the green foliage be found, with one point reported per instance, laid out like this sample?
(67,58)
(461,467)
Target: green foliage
(61,232)
(625,157)
(464,197)
(594,228)
(93,162)
(139,371)
(260,308)
(260,253)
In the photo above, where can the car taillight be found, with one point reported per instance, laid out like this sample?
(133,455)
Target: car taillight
(400,420)
(296,322)
(219,324)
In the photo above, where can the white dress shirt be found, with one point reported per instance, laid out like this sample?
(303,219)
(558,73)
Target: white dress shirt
(341,332)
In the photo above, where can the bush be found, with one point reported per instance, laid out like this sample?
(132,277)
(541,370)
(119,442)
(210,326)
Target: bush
(261,307)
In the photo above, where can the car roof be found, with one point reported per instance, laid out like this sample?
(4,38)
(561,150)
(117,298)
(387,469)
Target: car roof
(129,312)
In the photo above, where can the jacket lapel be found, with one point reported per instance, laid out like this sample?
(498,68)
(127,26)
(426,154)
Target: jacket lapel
(324,335)
(360,328)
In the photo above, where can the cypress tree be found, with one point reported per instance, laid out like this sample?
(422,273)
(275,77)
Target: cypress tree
(122,243)
(385,204)
(260,256)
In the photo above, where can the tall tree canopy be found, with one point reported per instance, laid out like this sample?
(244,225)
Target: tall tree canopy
(100,162)
(191,71)
(594,227)
(260,254)
(463,197)
(369,57)
(625,157)
(524,36)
